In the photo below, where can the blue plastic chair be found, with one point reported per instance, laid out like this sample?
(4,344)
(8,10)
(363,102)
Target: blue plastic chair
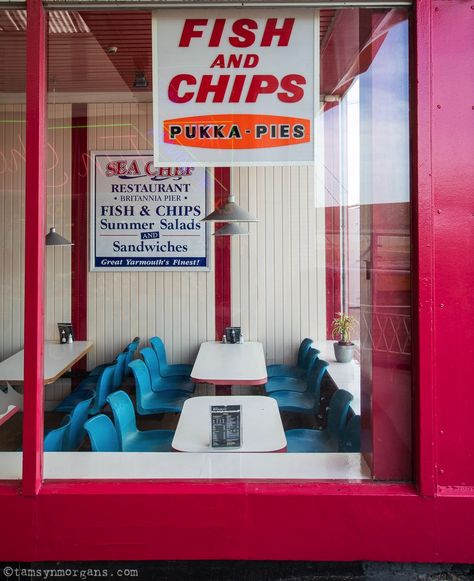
(327,440)
(102,434)
(130,438)
(307,402)
(165,369)
(100,368)
(91,381)
(297,370)
(149,401)
(130,354)
(104,387)
(350,439)
(158,383)
(292,383)
(54,440)
(76,434)
(81,393)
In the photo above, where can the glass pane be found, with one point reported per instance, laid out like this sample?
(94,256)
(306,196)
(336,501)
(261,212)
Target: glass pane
(333,237)
(12,236)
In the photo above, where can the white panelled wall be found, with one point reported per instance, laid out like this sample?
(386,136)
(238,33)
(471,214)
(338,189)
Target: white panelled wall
(177,306)
(278,271)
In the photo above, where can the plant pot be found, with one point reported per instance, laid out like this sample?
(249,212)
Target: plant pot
(343,353)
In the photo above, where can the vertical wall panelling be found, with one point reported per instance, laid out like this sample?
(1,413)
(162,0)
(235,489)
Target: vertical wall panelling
(12,221)
(174,305)
(278,271)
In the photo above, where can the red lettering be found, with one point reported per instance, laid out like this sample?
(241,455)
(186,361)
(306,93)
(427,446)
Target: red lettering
(243,29)
(121,168)
(217,31)
(110,169)
(290,84)
(260,85)
(237,88)
(219,61)
(173,89)
(251,61)
(207,87)
(150,169)
(283,33)
(189,31)
(235,60)
(133,169)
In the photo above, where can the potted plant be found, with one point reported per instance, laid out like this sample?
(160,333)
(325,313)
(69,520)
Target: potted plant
(342,326)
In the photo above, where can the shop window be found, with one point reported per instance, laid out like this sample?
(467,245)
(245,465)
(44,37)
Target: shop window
(332,237)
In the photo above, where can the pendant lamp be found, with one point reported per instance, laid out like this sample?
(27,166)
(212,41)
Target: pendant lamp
(231,229)
(53,238)
(230,212)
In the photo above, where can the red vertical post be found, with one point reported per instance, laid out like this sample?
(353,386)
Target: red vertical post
(34,247)
(222,256)
(79,182)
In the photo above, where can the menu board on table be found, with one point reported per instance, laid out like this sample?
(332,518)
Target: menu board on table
(226,431)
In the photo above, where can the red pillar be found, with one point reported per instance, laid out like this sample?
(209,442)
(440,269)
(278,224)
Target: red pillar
(222,256)
(34,247)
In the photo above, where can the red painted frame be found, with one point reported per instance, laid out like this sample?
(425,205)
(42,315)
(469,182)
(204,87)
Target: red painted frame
(333,520)
(36,117)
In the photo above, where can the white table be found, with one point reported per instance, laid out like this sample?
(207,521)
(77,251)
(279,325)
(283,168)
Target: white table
(230,364)
(58,358)
(262,430)
(345,375)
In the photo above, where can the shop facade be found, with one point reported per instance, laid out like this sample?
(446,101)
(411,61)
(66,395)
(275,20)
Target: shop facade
(417,503)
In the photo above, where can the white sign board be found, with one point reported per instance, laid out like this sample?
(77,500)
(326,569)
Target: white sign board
(146,218)
(235,87)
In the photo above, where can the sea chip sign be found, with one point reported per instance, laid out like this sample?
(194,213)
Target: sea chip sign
(235,87)
(146,218)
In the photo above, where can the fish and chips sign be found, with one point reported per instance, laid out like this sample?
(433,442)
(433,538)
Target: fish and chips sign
(234,87)
(146,218)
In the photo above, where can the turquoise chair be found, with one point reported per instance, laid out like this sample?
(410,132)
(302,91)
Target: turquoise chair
(130,438)
(327,440)
(350,440)
(293,383)
(131,347)
(165,369)
(54,440)
(102,434)
(307,402)
(76,434)
(105,386)
(159,383)
(152,402)
(130,354)
(298,370)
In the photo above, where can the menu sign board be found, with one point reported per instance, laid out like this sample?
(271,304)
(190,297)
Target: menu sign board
(146,218)
(226,426)
(235,87)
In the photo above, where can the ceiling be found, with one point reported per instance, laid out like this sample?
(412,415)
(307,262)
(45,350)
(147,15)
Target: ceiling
(79,55)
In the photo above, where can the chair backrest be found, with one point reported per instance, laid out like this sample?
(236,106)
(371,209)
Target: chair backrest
(350,438)
(338,410)
(124,414)
(153,365)
(54,440)
(102,434)
(315,375)
(119,373)
(105,386)
(303,351)
(310,360)
(130,352)
(76,434)
(160,351)
(142,382)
